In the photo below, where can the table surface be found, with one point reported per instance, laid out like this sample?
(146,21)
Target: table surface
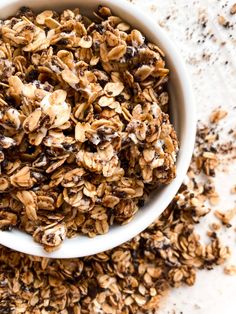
(212,69)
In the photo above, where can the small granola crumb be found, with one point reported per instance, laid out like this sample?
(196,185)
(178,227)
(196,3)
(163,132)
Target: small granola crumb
(218,115)
(230,270)
(215,226)
(233,190)
(223,21)
(226,216)
(214,199)
(233,9)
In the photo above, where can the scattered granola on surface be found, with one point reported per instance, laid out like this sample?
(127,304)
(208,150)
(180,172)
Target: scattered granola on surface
(85,134)
(132,278)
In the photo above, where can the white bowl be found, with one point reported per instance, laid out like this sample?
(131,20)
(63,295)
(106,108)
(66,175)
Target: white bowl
(182,114)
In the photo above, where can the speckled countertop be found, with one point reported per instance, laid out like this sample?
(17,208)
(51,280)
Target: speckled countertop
(205,34)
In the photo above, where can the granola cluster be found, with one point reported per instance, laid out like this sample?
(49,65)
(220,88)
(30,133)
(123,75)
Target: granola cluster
(85,134)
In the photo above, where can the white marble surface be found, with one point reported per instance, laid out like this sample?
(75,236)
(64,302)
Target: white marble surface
(212,66)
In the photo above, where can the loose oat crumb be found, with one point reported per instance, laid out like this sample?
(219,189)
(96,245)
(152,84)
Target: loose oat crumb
(233,190)
(215,226)
(233,9)
(223,21)
(218,115)
(226,216)
(214,199)
(230,270)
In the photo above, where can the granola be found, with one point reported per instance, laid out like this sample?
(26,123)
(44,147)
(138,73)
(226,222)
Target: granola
(85,134)
(134,277)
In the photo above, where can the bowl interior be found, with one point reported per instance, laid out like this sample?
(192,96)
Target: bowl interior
(182,115)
